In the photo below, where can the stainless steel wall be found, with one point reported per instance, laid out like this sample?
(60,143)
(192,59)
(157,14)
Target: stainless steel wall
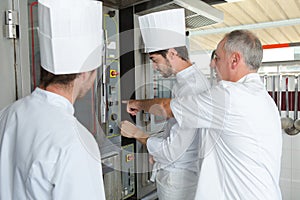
(14,58)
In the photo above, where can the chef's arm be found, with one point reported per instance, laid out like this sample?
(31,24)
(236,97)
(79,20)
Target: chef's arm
(129,130)
(142,140)
(158,106)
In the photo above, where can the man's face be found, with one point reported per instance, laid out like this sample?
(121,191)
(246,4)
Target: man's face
(162,65)
(221,62)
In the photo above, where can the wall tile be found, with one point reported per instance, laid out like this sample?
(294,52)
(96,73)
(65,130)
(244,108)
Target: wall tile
(286,193)
(296,142)
(286,175)
(296,175)
(296,159)
(286,159)
(295,193)
(286,141)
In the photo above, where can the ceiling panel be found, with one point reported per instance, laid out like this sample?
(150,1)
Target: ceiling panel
(258,12)
(266,36)
(289,33)
(271,9)
(238,14)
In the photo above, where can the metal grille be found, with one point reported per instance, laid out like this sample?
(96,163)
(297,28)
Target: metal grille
(193,20)
(198,21)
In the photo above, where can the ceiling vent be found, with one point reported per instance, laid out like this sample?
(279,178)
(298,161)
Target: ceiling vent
(197,13)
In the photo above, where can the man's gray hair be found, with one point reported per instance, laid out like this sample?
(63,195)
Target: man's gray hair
(246,43)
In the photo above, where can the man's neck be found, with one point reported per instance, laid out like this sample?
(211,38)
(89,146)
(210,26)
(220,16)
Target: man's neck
(65,91)
(183,65)
(243,74)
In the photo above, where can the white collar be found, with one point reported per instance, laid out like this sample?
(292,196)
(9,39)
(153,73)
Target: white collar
(54,99)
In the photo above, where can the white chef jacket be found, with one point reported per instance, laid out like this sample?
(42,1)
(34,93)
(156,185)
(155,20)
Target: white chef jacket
(179,149)
(46,153)
(245,132)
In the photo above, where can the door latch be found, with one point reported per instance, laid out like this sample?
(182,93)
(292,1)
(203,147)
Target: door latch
(146,117)
(11,27)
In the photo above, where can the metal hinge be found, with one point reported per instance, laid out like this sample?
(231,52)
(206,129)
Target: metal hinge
(11,27)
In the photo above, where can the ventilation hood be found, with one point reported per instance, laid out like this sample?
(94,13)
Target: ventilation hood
(197,13)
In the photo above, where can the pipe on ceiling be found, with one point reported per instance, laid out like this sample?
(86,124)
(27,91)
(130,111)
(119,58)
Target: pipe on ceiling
(288,22)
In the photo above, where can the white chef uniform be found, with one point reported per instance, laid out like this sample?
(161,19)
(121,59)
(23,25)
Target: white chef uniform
(177,154)
(244,124)
(45,153)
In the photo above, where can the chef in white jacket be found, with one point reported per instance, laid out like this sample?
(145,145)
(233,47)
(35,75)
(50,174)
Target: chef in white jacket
(176,153)
(243,123)
(45,153)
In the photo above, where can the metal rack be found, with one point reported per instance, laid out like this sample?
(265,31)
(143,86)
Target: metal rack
(281,80)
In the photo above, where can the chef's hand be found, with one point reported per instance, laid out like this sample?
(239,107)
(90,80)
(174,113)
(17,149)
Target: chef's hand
(133,106)
(151,160)
(131,131)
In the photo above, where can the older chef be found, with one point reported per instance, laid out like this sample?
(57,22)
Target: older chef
(176,153)
(243,122)
(45,152)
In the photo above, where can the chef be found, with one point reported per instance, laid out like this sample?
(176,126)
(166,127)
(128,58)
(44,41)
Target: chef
(177,152)
(45,153)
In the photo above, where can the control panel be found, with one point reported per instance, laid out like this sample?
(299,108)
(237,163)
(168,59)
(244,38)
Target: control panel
(109,113)
(128,176)
(109,93)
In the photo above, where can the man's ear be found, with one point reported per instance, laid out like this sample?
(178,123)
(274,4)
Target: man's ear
(172,52)
(235,59)
(83,75)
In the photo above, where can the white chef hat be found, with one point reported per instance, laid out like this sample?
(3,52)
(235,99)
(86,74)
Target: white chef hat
(70,35)
(163,30)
